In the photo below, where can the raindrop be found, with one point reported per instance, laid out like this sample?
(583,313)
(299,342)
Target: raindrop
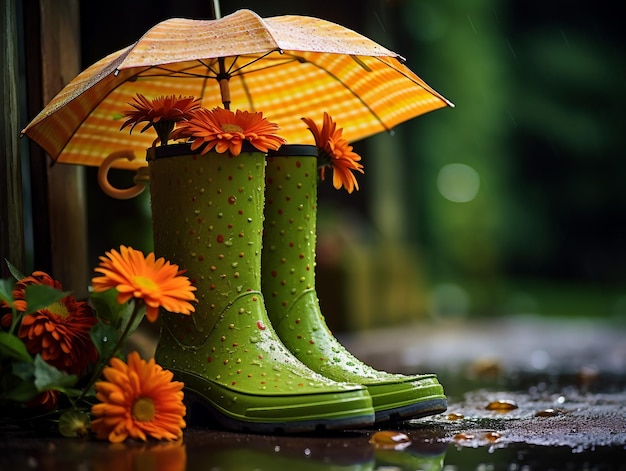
(502,405)
(511,48)
(389,440)
(307,452)
(492,436)
(471,23)
(547,413)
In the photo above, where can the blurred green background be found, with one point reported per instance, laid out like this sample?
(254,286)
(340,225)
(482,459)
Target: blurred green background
(510,203)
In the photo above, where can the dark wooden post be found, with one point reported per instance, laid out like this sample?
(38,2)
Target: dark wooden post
(52,37)
(11,213)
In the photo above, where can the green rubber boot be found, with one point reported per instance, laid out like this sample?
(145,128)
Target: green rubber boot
(208,219)
(288,283)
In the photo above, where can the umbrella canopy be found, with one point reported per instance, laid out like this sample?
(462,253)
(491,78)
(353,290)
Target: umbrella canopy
(288,67)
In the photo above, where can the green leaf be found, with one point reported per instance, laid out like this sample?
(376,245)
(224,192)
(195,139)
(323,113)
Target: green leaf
(23,370)
(11,346)
(23,391)
(48,377)
(6,290)
(18,385)
(107,308)
(105,338)
(41,296)
(132,319)
(18,275)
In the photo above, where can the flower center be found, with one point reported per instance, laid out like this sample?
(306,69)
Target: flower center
(146,284)
(58,309)
(143,409)
(227,127)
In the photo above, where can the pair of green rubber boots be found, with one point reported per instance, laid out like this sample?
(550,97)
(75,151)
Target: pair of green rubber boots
(257,353)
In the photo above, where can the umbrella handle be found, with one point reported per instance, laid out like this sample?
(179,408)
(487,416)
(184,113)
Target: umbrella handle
(141,178)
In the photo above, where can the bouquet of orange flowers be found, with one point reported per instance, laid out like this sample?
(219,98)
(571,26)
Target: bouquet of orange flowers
(182,117)
(63,359)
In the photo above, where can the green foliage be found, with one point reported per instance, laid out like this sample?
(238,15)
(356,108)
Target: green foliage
(105,337)
(39,297)
(12,347)
(23,376)
(47,377)
(106,305)
(14,271)
(6,291)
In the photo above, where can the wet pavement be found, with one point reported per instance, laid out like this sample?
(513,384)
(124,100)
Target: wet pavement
(524,394)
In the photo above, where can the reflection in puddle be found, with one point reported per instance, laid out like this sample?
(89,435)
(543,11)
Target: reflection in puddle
(340,452)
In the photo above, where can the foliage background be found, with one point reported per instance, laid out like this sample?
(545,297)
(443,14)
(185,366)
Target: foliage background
(538,124)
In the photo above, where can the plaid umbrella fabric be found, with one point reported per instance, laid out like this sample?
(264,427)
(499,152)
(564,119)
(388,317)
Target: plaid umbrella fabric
(287,67)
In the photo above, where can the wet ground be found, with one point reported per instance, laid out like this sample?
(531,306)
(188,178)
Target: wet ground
(524,394)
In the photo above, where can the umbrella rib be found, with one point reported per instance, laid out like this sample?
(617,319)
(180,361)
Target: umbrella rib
(177,73)
(355,95)
(235,72)
(232,71)
(104,97)
(419,82)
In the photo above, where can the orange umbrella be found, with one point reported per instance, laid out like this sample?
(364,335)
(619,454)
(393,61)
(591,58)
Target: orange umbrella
(288,67)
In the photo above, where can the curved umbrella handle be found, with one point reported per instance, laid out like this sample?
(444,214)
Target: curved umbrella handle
(141,178)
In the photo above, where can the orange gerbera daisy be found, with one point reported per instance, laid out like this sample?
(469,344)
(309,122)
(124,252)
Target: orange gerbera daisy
(223,130)
(138,399)
(157,282)
(59,332)
(161,113)
(336,153)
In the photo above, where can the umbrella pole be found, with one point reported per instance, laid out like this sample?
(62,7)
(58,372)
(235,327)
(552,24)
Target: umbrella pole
(223,78)
(217,14)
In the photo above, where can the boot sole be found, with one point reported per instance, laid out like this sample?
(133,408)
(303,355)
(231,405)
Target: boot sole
(212,403)
(411,399)
(419,410)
